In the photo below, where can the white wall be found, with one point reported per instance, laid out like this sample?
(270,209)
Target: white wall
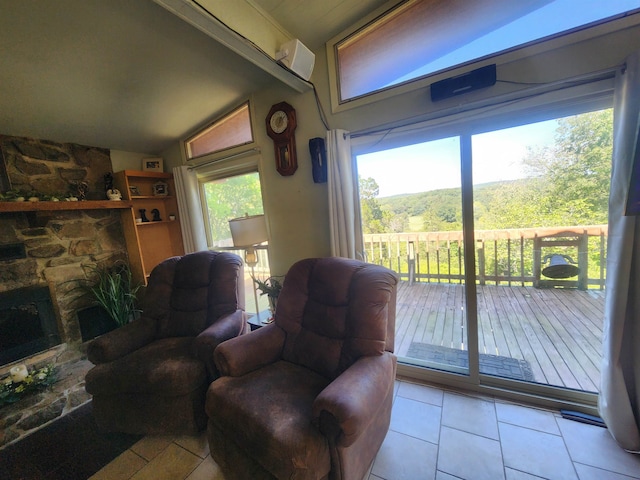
(121,160)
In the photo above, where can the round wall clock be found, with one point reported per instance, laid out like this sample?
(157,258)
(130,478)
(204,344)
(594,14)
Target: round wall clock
(281,126)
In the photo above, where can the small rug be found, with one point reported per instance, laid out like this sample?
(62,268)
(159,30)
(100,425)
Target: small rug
(72,447)
(489,364)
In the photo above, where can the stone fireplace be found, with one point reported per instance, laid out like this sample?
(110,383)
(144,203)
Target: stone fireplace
(59,246)
(43,255)
(52,249)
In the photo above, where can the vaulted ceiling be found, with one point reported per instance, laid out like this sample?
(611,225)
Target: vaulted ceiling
(130,75)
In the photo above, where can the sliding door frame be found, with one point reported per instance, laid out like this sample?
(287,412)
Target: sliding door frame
(570,101)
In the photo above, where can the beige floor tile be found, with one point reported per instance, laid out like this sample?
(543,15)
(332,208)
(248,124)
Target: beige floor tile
(402,457)
(173,463)
(537,453)
(123,467)
(207,470)
(469,456)
(586,472)
(527,417)
(592,445)
(198,445)
(151,446)
(470,415)
(416,419)
(421,393)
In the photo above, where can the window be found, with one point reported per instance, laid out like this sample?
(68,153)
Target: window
(228,198)
(421,37)
(233,196)
(232,130)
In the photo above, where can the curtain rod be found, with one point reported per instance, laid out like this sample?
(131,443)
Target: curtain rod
(228,157)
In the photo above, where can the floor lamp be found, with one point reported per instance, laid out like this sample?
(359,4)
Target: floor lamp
(247,232)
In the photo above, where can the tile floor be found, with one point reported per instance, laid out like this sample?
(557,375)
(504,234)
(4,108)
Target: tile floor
(434,434)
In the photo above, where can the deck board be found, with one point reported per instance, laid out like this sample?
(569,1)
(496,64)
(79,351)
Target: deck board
(557,331)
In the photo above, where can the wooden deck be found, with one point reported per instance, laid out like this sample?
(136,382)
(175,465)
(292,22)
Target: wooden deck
(557,331)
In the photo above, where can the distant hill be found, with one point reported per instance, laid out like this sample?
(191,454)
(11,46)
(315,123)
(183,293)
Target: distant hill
(415,204)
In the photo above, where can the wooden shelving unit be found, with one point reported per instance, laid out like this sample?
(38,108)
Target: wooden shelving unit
(151,242)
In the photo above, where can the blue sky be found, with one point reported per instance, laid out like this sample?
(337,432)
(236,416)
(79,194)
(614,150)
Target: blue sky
(497,155)
(433,165)
(556,16)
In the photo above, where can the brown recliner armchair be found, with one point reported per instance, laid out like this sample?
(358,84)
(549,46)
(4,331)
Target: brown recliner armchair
(309,396)
(151,376)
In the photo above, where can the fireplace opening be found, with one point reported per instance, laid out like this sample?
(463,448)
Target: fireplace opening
(27,323)
(12,251)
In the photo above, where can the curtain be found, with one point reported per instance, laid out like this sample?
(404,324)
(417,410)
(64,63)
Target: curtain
(344,204)
(619,400)
(187,193)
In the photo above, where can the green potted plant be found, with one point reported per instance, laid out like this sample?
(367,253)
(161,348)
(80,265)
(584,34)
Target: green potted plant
(113,289)
(270,287)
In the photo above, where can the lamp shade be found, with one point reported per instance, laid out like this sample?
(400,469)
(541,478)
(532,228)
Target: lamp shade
(247,231)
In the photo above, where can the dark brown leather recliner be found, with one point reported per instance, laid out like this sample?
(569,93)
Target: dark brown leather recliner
(309,396)
(151,376)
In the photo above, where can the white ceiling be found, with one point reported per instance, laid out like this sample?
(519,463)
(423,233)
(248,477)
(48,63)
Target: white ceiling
(128,74)
(316,21)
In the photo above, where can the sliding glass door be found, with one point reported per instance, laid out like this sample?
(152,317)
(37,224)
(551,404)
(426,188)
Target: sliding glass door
(540,225)
(411,202)
(499,239)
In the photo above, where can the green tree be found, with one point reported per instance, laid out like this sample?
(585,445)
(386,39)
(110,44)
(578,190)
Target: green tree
(374,219)
(576,170)
(230,198)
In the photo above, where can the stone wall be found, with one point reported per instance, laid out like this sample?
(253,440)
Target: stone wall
(61,246)
(55,168)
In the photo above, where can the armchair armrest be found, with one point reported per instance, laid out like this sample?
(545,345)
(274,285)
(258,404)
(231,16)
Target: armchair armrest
(121,341)
(241,355)
(346,407)
(224,328)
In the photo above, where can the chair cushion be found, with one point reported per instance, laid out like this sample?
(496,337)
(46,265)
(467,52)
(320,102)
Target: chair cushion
(334,311)
(164,367)
(269,413)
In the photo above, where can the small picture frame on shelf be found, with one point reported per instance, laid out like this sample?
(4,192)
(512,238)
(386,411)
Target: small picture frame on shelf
(152,164)
(133,190)
(160,189)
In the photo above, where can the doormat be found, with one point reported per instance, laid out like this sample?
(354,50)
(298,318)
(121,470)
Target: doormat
(72,447)
(489,364)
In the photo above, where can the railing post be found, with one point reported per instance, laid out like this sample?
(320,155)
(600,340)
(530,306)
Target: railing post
(537,261)
(583,261)
(481,263)
(411,260)
(602,259)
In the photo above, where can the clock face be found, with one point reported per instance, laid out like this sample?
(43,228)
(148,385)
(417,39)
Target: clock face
(279,121)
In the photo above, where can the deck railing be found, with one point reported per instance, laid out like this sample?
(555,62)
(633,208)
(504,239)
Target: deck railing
(503,257)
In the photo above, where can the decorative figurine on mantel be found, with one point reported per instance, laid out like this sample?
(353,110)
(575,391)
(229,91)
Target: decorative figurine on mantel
(156,215)
(143,215)
(81,188)
(112,193)
(108,181)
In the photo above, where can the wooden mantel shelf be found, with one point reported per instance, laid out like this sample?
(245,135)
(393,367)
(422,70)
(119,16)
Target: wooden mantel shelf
(6,207)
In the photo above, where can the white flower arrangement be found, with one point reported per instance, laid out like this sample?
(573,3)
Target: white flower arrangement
(11,391)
